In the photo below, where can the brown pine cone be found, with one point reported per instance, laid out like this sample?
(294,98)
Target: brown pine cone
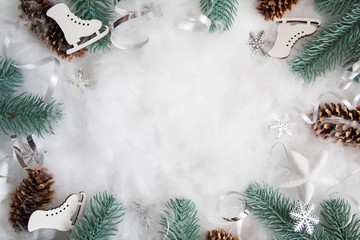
(33,12)
(338,122)
(219,235)
(274,8)
(33,193)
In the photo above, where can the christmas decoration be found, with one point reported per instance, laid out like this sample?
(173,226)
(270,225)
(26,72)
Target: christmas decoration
(338,122)
(4,186)
(289,33)
(282,126)
(80,80)
(258,43)
(28,114)
(274,8)
(98,222)
(332,45)
(219,235)
(102,10)
(33,193)
(304,217)
(151,8)
(306,175)
(10,76)
(220,12)
(334,7)
(143,213)
(45,28)
(61,218)
(29,156)
(75,28)
(180,220)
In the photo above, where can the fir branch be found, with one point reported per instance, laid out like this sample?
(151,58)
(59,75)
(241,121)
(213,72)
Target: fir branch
(273,208)
(220,12)
(338,220)
(99,221)
(10,76)
(180,222)
(95,9)
(28,114)
(325,50)
(334,7)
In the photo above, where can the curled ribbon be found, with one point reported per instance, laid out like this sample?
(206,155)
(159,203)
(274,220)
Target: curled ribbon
(126,16)
(350,75)
(195,23)
(239,218)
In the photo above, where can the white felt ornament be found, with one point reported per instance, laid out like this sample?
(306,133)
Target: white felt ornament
(61,218)
(74,28)
(288,34)
(306,175)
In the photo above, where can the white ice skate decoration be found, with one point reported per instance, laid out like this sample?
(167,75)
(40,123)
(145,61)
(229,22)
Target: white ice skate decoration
(288,34)
(74,28)
(61,218)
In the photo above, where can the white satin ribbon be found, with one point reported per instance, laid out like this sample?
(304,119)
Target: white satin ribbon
(238,218)
(350,75)
(126,16)
(195,23)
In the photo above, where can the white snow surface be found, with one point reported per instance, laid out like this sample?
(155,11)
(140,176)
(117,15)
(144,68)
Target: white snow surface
(187,115)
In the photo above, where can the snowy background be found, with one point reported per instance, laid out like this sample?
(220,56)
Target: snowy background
(186,115)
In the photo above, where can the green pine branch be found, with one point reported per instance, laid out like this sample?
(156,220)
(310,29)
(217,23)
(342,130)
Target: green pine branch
(180,222)
(95,9)
(99,222)
(272,208)
(338,220)
(28,115)
(334,7)
(220,12)
(10,76)
(329,47)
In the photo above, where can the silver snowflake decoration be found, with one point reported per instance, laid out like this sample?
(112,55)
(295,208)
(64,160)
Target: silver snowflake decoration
(80,80)
(304,217)
(282,125)
(143,213)
(31,158)
(152,7)
(258,43)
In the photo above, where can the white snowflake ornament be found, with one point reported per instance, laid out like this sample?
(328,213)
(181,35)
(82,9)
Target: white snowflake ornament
(282,125)
(305,217)
(258,43)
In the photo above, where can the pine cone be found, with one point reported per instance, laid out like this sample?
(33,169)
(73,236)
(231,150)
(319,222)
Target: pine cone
(33,12)
(219,235)
(338,122)
(274,8)
(33,193)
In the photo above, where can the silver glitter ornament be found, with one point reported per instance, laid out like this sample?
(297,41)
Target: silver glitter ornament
(30,157)
(258,43)
(282,125)
(143,213)
(80,80)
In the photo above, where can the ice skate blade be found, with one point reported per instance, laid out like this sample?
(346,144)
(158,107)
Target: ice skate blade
(87,43)
(299,20)
(80,208)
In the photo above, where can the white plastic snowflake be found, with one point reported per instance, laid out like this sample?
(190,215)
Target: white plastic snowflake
(304,217)
(282,125)
(258,43)
(80,80)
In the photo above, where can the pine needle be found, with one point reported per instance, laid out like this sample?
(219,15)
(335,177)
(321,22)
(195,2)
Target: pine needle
(180,222)
(220,12)
(10,76)
(28,115)
(329,47)
(98,223)
(334,7)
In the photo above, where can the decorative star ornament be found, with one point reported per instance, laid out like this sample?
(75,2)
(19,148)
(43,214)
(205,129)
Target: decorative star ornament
(306,176)
(305,217)
(258,43)
(80,80)
(282,125)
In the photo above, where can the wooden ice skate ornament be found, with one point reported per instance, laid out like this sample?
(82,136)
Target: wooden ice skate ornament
(61,218)
(289,31)
(74,28)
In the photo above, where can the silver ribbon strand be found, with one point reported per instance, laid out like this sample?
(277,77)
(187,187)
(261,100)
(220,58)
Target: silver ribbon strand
(350,75)
(238,218)
(126,16)
(195,23)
